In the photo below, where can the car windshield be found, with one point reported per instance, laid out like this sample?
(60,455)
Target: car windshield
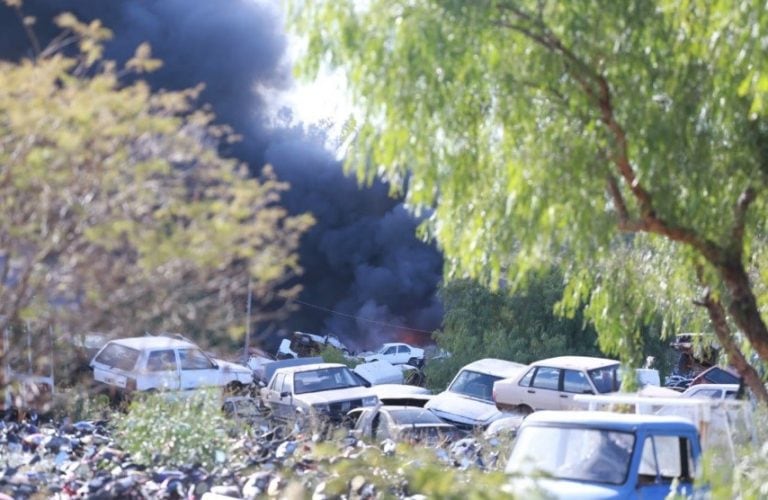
(572,453)
(606,379)
(325,379)
(118,356)
(474,384)
(414,416)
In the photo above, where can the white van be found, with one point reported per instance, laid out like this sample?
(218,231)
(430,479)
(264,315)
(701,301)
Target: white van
(468,401)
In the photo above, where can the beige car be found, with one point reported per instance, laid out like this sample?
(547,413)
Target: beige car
(550,384)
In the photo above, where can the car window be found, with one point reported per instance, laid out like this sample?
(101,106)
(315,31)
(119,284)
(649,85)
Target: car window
(474,384)
(605,378)
(277,384)
(391,350)
(526,380)
(161,361)
(403,349)
(667,456)
(194,359)
(547,378)
(576,381)
(324,379)
(118,356)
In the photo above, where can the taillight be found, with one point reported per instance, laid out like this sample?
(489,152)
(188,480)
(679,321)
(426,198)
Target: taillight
(130,384)
(493,394)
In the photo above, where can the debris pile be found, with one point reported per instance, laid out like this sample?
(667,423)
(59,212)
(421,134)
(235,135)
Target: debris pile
(81,460)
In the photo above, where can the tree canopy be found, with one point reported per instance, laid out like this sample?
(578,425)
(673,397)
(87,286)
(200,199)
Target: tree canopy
(118,213)
(623,141)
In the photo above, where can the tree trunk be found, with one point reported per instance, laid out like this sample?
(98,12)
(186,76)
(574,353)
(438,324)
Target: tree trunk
(735,356)
(743,306)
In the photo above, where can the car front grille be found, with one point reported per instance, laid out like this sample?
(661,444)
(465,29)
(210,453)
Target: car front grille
(338,410)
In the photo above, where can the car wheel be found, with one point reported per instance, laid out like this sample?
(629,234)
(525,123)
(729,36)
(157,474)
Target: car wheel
(524,410)
(234,388)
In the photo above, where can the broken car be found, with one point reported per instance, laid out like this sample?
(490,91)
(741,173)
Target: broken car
(322,391)
(163,363)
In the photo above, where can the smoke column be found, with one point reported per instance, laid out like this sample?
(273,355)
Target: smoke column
(361,260)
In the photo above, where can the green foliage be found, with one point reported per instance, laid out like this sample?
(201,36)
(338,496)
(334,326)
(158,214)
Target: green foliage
(115,197)
(534,130)
(748,477)
(405,471)
(332,355)
(75,404)
(172,429)
(520,327)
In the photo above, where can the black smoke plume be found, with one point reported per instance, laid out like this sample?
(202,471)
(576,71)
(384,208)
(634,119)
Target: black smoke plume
(367,278)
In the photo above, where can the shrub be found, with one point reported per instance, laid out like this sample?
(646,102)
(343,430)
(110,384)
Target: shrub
(164,428)
(78,403)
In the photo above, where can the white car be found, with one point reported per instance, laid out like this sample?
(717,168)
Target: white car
(712,391)
(397,353)
(468,402)
(163,363)
(325,391)
(550,384)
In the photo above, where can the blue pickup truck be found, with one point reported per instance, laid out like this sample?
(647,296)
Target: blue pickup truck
(600,455)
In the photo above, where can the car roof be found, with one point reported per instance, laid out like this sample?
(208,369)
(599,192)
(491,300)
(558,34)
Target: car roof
(493,366)
(153,342)
(307,368)
(698,387)
(576,362)
(608,420)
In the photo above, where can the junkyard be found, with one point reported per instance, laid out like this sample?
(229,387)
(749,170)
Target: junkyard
(302,427)
(344,249)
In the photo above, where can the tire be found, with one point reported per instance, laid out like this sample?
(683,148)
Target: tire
(524,410)
(234,388)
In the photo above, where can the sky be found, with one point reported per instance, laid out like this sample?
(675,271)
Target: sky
(367,278)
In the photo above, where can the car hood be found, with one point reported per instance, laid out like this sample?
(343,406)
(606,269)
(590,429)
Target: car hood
(227,366)
(458,408)
(572,490)
(335,395)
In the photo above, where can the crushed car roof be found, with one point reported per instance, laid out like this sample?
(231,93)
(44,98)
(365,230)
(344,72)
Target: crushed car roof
(577,362)
(607,420)
(152,342)
(494,366)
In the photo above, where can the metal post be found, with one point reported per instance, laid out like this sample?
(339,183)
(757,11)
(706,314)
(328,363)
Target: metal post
(247,354)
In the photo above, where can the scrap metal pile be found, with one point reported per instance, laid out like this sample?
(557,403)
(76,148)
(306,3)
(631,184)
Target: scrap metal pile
(81,460)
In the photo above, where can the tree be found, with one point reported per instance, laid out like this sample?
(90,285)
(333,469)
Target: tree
(578,133)
(521,327)
(118,213)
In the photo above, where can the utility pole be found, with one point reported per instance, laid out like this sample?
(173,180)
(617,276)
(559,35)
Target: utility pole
(248,320)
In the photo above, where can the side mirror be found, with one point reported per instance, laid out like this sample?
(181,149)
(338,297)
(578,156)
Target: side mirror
(215,364)
(285,394)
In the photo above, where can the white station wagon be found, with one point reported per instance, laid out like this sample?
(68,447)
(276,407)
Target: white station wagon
(163,363)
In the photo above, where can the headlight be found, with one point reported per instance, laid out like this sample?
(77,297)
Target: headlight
(370,401)
(322,408)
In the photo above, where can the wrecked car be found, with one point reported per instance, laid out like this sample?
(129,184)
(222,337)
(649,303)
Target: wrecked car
(321,392)
(302,345)
(402,423)
(397,353)
(597,454)
(468,401)
(551,384)
(153,363)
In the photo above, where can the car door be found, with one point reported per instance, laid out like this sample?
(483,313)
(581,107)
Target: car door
(664,461)
(161,371)
(279,399)
(544,391)
(197,370)
(574,382)
(403,354)
(390,354)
